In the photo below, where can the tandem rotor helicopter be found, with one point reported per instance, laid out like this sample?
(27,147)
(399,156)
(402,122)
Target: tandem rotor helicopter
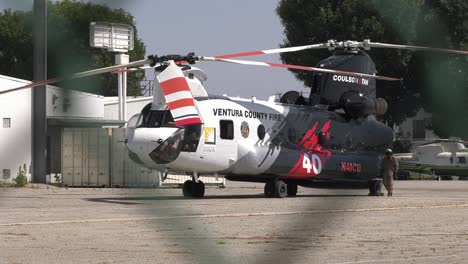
(330,137)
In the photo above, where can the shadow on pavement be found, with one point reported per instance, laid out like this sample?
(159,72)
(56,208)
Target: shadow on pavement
(128,199)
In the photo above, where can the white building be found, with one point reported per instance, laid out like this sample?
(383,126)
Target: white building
(63,109)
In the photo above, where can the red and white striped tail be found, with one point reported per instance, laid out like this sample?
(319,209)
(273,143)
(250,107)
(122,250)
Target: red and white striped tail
(178,96)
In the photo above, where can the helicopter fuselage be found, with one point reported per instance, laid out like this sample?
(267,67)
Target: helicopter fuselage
(259,141)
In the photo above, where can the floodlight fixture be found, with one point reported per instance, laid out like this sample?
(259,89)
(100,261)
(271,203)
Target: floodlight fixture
(111,36)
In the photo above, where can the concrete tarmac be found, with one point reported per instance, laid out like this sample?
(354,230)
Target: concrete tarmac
(424,222)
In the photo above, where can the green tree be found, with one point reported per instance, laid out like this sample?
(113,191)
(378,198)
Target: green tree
(417,22)
(443,78)
(68,45)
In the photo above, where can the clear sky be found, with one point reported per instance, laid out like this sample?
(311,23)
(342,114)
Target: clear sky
(209,28)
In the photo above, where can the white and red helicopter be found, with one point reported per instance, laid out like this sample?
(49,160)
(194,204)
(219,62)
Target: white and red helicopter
(332,137)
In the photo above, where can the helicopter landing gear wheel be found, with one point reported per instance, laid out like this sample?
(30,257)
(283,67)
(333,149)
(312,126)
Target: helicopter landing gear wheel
(198,189)
(187,188)
(292,189)
(281,189)
(276,189)
(193,189)
(269,190)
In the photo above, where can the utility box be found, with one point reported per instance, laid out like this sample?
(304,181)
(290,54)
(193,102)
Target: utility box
(97,157)
(85,157)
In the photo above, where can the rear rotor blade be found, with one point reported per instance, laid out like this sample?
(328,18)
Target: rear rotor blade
(297,67)
(274,51)
(81,75)
(413,48)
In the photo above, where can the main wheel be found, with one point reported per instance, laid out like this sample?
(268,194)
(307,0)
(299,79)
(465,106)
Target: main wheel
(281,189)
(187,188)
(198,189)
(292,189)
(269,190)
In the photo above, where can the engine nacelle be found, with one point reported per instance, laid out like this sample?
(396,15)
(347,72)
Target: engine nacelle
(356,105)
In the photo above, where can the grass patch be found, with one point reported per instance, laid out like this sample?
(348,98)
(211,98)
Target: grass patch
(4,184)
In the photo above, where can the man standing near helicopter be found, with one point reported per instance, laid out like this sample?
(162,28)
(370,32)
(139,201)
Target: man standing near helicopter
(389,166)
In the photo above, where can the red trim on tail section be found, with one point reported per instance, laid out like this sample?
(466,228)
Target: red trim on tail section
(188,121)
(178,84)
(181,103)
(242,54)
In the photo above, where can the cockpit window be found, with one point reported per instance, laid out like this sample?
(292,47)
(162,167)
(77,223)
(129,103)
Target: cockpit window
(169,150)
(155,118)
(134,121)
(183,140)
(191,138)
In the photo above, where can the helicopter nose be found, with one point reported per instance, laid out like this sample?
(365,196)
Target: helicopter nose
(168,150)
(153,145)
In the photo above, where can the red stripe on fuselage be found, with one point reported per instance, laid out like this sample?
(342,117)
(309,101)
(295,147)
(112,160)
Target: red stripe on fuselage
(298,163)
(326,126)
(307,135)
(309,143)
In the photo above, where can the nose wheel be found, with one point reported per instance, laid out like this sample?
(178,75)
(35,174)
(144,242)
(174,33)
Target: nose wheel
(193,189)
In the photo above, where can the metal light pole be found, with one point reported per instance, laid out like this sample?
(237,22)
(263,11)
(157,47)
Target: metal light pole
(121,58)
(38,98)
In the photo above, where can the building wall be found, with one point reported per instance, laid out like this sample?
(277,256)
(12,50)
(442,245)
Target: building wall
(134,106)
(15,142)
(66,103)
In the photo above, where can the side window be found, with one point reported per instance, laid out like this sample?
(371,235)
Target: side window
(6,174)
(261,132)
(227,129)
(461,160)
(6,122)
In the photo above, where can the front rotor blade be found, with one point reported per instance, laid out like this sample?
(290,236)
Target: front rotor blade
(81,75)
(413,48)
(273,51)
(303,68)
